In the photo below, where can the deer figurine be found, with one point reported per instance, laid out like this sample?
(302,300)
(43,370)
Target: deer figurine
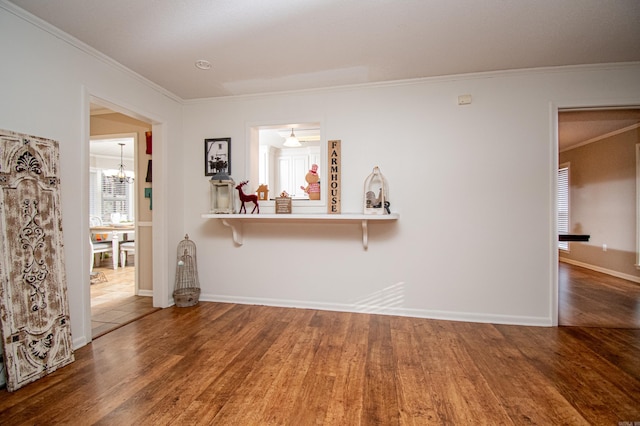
(246,198)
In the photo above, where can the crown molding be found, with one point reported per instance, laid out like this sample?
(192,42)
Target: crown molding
(601,137)
(425,80)
(85,48)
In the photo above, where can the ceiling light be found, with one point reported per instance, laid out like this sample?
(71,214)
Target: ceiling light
(121,176)
(203,65)
(292,141)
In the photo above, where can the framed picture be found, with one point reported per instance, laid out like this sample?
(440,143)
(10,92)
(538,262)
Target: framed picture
(217,155)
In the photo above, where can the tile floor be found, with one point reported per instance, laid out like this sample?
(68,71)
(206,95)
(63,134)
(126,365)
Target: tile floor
(113,302)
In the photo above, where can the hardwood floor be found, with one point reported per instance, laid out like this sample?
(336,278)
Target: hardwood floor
(228,364)
(113,302)
(592,299)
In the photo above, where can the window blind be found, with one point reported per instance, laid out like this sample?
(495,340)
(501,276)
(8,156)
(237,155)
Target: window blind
(563,205)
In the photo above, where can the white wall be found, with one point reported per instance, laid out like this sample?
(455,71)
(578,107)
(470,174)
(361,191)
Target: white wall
(45,86)
(473,185)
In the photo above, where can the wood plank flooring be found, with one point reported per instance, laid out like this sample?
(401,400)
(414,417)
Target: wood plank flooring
(593,299)
(228,364)
(114,302)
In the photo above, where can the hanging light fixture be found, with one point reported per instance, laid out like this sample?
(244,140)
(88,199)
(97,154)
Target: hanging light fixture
(292,141)
(121,176)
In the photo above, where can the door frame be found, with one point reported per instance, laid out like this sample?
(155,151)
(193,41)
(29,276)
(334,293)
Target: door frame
(159,237)
(554,108)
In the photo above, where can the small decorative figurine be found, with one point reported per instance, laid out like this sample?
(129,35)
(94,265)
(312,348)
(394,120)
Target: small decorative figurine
(263,192)
(283,203)
(313,180)
(246,198)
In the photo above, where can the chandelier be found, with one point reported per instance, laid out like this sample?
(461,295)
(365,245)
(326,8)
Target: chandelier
(121,176)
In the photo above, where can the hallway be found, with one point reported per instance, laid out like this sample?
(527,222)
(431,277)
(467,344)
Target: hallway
(113,302)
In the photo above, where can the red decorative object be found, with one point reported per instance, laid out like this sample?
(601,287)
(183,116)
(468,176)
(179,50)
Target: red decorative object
(149,138)
(246,198)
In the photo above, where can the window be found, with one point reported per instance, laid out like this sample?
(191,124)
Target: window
(563,204)
(289,169)
(106,195)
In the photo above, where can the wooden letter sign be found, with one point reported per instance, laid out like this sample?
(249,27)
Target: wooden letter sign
(334,177)
(34,311)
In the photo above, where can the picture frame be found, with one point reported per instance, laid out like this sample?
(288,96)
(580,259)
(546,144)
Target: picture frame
(216,148)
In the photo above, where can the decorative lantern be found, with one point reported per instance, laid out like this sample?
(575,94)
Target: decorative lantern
(376,193)
(222,188)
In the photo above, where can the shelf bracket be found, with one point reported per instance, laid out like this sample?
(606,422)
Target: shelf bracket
(365,234)
(236,230)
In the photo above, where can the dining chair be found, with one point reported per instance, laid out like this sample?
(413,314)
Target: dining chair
(97,248)
(125,248)
(95,221)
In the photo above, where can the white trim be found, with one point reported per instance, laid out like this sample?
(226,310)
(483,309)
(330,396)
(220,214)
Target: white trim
(555,107)
(553,194)
(383,310)
(638,205)
(161,283)
(85,48)
(85,234)
(602,270)
(433,79)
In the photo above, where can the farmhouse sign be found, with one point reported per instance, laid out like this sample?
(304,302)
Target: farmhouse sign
(334,177)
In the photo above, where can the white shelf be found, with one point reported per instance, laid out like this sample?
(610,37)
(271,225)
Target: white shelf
(234,221)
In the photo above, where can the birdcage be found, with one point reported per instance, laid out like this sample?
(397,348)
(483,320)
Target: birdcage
(187,291)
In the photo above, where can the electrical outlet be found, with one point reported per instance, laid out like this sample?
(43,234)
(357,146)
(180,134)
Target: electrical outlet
(464,99)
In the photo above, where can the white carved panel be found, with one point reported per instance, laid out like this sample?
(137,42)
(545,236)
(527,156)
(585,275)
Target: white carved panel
(34,311)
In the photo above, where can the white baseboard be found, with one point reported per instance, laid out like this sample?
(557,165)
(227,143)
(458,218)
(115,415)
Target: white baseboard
(79,342)
(385,310)
(146,293)
(602,270)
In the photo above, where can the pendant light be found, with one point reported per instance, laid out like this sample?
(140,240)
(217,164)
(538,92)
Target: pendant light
(121,176)
(292,141)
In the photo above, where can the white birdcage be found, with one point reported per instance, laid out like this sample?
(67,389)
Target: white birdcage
(187,291)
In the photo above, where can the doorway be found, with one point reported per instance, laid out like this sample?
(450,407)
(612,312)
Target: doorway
(598,280)
(120,220)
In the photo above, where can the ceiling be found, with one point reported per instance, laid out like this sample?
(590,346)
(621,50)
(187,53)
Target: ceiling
(577,127)
(257,46)
(110,147)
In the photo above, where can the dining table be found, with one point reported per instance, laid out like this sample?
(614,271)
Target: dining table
(116,232)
